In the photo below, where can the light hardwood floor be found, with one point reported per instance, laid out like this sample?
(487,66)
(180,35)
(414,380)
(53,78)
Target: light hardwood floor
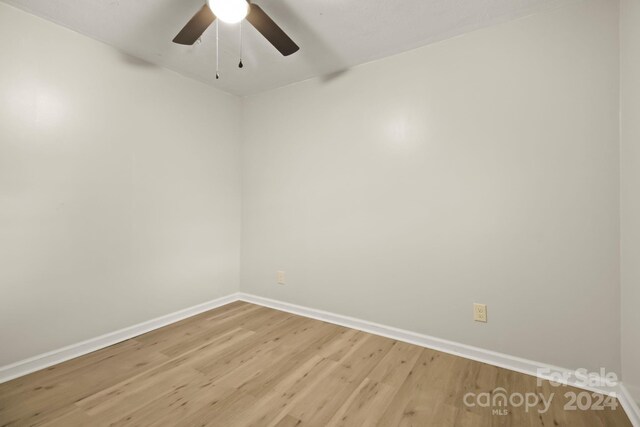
(246,365)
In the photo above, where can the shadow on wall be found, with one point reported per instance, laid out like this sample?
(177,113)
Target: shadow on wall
(135,61)
(324,61)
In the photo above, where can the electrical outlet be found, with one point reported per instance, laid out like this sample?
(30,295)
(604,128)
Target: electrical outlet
(480,312)
(280,277)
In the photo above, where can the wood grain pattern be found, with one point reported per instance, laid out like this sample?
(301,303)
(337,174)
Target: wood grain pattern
(246,365)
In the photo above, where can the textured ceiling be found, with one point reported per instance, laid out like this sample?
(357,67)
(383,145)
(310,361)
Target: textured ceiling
(333,34)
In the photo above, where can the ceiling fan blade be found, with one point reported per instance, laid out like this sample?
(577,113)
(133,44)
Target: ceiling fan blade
(270,30)
(195,27)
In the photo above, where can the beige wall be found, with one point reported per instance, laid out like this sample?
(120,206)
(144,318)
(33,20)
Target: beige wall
(483,169)
(630,191)
(119,189)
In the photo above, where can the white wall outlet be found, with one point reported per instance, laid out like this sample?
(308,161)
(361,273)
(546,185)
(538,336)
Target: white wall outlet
(480,312)
(280,277)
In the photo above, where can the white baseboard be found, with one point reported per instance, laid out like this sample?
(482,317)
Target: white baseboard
(634,392)
(60,355)
(629,402)
(525,366)
(501,360)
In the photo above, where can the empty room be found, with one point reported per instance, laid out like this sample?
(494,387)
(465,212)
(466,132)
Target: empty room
(280,213)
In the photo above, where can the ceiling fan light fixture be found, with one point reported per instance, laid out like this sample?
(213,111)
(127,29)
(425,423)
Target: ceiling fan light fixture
(229,11)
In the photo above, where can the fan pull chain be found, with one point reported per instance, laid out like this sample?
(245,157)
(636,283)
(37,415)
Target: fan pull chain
(217,52)
(240,64)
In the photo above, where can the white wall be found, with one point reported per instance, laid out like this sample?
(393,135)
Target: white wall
(480,169)
(119,189)
(630,191)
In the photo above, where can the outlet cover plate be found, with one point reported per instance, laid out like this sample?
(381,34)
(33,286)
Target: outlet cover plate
(480,312)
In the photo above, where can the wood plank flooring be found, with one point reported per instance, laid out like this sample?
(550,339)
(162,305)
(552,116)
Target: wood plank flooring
(246,365)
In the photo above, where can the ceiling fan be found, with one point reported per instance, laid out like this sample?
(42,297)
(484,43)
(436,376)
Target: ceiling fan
(234,11)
